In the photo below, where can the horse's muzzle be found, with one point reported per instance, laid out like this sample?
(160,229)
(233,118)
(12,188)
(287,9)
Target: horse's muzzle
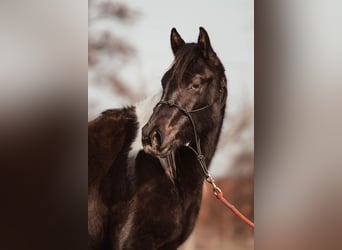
(153,141)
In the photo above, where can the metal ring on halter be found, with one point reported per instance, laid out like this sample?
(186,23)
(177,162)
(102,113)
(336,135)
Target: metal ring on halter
(170,103)
(201,157)
(217,190)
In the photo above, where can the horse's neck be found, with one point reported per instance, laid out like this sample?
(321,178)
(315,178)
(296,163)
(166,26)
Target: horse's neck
(144,110)
(188,166)
(210,140)
(209,144)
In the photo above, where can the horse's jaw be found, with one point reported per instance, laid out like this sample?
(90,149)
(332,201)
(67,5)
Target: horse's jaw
(169,165)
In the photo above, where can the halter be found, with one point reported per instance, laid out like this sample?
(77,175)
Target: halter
(198,150)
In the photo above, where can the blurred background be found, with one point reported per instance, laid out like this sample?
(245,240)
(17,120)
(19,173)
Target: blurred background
(44,111)
(128,53)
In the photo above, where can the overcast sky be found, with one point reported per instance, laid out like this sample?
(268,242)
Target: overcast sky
(230,24)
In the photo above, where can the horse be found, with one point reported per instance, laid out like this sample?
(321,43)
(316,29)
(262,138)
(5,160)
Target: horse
(144,174)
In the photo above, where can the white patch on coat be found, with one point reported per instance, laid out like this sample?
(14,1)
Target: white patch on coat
(143,110)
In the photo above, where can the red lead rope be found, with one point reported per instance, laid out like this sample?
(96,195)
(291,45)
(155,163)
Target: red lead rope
(219,195)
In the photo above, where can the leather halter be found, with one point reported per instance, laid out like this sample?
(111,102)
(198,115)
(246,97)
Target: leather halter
(198,150)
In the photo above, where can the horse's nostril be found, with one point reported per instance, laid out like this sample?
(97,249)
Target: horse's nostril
(146,140)
(155,139)
(158,137)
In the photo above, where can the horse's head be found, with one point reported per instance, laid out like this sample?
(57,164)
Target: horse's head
(195,80)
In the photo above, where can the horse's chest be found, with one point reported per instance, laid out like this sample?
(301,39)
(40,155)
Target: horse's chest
(157,215)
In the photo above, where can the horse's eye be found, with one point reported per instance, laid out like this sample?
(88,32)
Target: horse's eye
(195,86)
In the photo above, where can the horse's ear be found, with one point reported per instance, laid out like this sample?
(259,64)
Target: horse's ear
(176,41)
(203,38)
(204,42)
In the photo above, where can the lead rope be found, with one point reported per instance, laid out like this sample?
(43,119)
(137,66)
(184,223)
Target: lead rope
(217,191)
(201,159)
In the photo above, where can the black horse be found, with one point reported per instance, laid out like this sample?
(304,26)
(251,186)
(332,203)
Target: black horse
(145,178)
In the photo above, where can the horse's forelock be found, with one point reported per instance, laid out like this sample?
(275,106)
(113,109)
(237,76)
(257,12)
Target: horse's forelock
(185,58)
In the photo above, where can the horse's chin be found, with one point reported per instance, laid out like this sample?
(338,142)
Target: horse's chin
(166,158)
(169,165)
